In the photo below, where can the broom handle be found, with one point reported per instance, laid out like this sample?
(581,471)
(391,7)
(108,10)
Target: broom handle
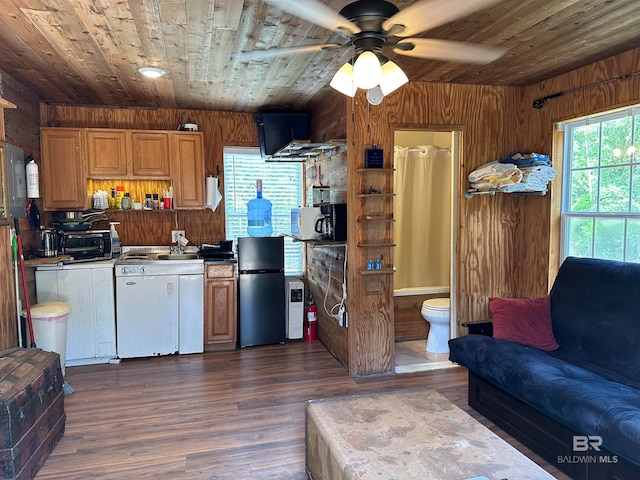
(25,291)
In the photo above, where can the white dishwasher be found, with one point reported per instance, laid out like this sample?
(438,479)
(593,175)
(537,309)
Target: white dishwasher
(159,305)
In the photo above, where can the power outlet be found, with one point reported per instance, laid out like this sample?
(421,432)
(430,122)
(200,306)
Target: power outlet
(175,235)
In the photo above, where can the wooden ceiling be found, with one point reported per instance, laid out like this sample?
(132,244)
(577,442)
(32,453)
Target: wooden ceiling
(87,52)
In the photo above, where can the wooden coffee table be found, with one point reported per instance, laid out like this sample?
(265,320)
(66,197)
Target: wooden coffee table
(408,434)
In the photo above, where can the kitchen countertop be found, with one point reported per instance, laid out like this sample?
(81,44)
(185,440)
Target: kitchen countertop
(34,262)
(59,261)
(219,261)
(75,265)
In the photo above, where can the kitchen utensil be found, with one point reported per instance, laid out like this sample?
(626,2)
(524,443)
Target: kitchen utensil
(14,249)
(78,225)
(34,213)
(72,225)
(50,242)
(324,226)
(226,245)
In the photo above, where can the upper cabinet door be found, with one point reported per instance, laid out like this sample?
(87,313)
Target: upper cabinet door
(107,153)
(187,170)
(150,154)
(64,172)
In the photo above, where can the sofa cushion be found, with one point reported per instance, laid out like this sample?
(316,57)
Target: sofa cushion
(594,313)
(578,398)
(523,320)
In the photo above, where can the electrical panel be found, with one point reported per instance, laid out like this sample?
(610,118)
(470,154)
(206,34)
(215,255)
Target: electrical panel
(16,181)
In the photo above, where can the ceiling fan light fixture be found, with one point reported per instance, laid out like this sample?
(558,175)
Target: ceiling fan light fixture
(392,78)
(151,72)
(367,71)
(343,80)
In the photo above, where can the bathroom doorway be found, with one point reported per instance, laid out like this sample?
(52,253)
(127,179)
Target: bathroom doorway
(426,164)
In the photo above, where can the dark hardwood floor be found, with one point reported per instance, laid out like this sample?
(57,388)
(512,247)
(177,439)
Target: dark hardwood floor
(235,415)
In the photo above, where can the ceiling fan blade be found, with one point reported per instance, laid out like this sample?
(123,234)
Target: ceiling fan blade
(316,12)
(449,50)
(427,14)
(281,52)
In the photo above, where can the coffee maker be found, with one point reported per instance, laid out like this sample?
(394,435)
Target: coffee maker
(333,226)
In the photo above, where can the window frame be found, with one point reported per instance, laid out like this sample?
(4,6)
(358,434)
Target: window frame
(566,148)
(252,150)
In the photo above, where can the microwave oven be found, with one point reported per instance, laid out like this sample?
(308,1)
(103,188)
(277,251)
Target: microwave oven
(303,222)
(87,246)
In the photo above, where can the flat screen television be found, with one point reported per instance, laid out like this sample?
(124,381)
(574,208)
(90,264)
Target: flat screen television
(277,130)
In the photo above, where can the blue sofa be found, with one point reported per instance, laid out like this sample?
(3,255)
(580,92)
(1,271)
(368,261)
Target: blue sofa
(577,406)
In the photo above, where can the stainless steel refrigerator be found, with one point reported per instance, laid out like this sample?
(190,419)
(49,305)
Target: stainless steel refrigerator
(261,305)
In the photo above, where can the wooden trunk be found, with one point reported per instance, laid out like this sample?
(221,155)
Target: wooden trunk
(32,417)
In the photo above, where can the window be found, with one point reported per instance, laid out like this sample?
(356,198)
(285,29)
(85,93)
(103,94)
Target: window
(601,198)
(281,184)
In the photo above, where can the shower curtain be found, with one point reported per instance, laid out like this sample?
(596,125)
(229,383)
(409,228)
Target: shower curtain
(422,210)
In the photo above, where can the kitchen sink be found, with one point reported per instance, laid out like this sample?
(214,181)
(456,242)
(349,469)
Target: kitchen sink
(177,256)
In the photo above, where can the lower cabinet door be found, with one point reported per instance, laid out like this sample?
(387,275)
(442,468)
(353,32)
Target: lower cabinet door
(220,312)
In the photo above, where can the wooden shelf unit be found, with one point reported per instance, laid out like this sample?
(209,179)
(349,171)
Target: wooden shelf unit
(374,228)
(370,219)
(382,271)
(376,195)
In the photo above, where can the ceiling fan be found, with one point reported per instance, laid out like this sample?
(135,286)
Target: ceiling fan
(374,28)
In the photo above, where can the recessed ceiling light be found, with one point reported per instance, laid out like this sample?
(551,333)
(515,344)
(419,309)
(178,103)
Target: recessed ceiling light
(151,72)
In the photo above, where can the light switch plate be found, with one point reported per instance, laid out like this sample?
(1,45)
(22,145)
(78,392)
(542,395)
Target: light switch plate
(176,234)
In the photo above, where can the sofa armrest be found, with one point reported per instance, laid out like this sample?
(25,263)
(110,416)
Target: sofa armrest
(479,328)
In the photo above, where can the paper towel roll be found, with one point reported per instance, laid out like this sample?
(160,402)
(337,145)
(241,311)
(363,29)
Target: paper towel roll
(213,194)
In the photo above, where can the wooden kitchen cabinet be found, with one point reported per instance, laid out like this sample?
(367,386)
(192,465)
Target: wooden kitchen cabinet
(107,152)
(70,156)
(187,170)
(64,170)
(130,154)
(220,307)
(150,154)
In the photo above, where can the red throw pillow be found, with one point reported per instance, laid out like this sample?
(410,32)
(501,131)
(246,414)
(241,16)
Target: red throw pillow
(523,320)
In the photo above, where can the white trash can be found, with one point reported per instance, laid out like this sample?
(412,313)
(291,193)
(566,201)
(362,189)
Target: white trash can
(50,327)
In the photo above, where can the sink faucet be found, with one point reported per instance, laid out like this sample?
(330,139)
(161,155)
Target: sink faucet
(180,246)
(177,249)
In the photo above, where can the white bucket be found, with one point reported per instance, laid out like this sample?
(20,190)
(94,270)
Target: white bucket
(50,327)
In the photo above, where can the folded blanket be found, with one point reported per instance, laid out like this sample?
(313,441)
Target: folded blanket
(512,177)
(546,173)
(491,168)
(513,188)
(535,183)
(527,159)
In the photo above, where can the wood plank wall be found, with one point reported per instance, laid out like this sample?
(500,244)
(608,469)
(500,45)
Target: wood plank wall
(328,122)
(503,244)
(329,117)
(507,245)
(21,128)
(325,264)
(219,129)
(598,88)
(487,224)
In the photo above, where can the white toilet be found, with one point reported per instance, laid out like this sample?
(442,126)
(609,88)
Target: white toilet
(436,312)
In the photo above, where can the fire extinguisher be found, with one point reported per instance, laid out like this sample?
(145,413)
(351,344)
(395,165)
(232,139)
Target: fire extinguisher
(311,321)
(33,178)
